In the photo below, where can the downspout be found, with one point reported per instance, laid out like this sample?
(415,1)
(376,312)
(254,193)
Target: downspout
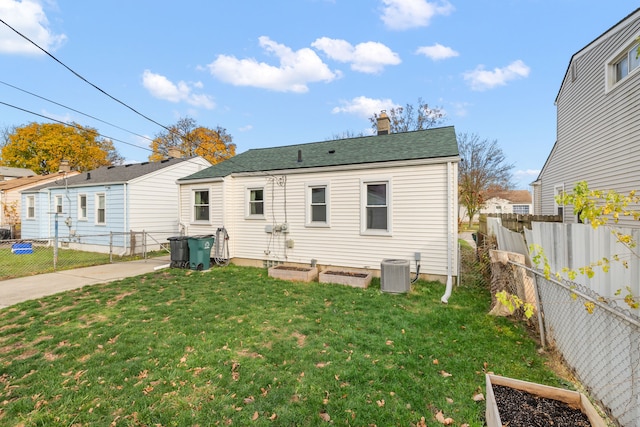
(449,287)
(126,218)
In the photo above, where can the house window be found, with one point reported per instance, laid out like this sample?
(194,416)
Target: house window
(31,207)
(558,191)
(201,205)
(623,64)
(256,202)
(318,205)
(521,209)
(58,204)
(376,209)
(82,206)
(101,209)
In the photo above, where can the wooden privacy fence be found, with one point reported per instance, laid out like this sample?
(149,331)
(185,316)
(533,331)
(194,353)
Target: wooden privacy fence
(517,222)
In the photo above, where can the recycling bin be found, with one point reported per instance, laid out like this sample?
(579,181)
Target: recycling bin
(179,247)
(200,251)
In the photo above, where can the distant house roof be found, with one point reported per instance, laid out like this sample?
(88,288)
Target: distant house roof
(31,181)
(514,196)
(424,144)
(6,171)
(112,174)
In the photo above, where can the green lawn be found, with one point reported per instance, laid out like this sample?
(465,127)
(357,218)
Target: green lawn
(232,346)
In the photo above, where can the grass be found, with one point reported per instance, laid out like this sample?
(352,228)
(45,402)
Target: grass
(41,261)
(232,346)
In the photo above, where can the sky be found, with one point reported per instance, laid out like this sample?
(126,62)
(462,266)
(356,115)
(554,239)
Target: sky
(285,72)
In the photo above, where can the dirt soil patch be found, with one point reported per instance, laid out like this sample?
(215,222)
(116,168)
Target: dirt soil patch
(521,409)
(347,273)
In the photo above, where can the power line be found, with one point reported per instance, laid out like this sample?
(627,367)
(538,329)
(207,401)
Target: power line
(76,111)
(82,78)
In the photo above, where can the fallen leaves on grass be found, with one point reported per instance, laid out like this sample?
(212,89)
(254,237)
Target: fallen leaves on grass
(445,374)
(325,417)
(442,420)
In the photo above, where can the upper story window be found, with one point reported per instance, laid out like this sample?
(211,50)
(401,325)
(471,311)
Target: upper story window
(623,63)
(256,202)
(82,206)
(318,205)
(201,205)
(31,207)
(58,204)
(558,191)
(101,208)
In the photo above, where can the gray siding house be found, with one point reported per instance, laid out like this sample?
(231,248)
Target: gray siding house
(343,203)
(598,121)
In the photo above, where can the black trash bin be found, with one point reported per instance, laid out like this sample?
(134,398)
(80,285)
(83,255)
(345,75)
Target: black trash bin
(200,251)
(179,246)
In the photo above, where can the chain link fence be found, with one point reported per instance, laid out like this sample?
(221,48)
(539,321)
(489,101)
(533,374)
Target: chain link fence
(599,339)
(25,257)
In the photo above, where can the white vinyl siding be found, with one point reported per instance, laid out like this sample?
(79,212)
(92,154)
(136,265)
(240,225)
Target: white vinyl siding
(419,219)
(598,128)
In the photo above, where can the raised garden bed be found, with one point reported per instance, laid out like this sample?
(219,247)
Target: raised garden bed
(519,403)
(351,278)
(297,274)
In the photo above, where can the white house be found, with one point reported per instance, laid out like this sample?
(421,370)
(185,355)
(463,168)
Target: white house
(346,203)
(598,121)
(92,206)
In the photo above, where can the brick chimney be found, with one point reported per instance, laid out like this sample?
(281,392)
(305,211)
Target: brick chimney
(384,123)
(174,152)
(64,166)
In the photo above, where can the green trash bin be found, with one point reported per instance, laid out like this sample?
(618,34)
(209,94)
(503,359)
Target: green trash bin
(200,251)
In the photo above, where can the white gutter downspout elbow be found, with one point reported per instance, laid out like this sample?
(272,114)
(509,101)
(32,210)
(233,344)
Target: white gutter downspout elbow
(449,286)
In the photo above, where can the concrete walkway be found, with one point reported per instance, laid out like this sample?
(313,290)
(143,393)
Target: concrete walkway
(13,291)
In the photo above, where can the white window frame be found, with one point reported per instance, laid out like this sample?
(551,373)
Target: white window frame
(57,204)
(309,205)
(611,66)
(248,202)
(82,214)
(194,206)
(31,207)
(364,183)
(558,209)
(518,206)
(97,197)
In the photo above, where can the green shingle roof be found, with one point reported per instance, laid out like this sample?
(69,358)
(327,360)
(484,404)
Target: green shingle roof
(423,144)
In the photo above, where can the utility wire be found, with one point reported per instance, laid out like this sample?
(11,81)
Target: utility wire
(82,78)
(76,111)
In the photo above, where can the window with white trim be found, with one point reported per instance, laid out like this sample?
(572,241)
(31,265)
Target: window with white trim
(101,208)
(82,206)
(622,64)
(255,206)
(558,190)
(31,207)
(317,205)
(201,205)
(521,209)
(376,209)
(58,204)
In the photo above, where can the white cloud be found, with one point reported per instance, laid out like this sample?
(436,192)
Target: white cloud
(481,79)
(246,128)
(295,71)
(437,52)
(162,88)
(368,57)
(529,173)
(405,14)
(28,18)
(364,107)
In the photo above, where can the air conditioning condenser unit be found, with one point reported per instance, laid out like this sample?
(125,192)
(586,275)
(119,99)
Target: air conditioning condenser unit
(395,276)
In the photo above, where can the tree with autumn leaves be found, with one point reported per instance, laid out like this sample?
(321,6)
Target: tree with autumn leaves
(42,146)
(215,145)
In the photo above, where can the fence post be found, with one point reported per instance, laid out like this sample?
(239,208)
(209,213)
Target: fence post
(111,246)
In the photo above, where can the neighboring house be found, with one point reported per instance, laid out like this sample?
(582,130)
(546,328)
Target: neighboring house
(10,192)
(342,203)
(503,202)
(598,121)
(7,173)
(111,199)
